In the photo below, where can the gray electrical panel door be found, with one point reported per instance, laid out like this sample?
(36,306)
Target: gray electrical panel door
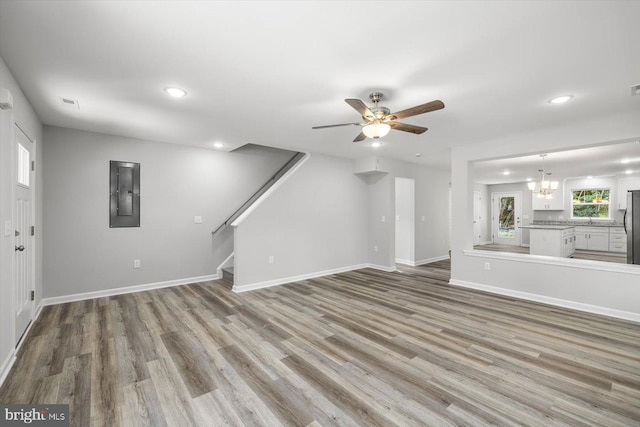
(124,187)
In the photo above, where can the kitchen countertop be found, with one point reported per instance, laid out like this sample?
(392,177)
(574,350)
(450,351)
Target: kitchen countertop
(579,223)
(547,226)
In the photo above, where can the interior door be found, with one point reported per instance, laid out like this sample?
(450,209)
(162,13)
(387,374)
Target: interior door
(477,217)
(506,211)
(23,239)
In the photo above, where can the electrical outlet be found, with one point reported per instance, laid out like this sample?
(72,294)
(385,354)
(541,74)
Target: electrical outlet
(271,259)
(487,266)
(375,248)
(422,218)
(383,218)
(197,219)
(136,263)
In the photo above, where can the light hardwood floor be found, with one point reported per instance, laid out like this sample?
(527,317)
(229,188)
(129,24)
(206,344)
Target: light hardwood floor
(579,254)
(359,348)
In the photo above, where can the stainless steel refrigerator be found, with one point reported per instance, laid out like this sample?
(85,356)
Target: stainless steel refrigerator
(632,226)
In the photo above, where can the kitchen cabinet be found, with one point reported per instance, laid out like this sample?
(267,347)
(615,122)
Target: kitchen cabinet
(625,184)
(592,238)
(617,240)
(550,240)
(554,204)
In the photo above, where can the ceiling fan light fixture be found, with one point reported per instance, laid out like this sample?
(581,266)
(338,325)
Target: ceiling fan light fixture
(376,130)
(175,92)
(560,99)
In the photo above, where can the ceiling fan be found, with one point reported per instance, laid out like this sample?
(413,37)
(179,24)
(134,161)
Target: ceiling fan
(379,120)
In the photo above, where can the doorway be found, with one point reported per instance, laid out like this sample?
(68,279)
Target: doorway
(24,250)
(506,211)
(405,224)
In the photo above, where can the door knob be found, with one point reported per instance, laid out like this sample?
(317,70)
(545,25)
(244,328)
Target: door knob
(20,248)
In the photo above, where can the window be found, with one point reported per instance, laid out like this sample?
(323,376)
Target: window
(23,165)
(590,203)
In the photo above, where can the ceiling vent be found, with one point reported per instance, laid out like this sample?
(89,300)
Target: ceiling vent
(635,89)
(69,103)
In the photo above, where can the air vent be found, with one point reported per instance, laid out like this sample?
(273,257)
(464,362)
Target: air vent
(69,103)
(635,89)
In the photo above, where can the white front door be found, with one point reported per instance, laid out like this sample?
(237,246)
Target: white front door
(23,239)
(506,213)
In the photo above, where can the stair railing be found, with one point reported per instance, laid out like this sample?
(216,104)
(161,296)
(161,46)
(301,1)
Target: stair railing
(292,161)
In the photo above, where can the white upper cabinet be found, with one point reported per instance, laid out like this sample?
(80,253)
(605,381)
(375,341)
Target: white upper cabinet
(554,204)
(625,184)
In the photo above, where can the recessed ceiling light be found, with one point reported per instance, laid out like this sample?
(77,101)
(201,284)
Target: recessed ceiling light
(418,154)
(628,171)
(376,144)
(218,144)
(176,92)
(506,173)
(560,99)
(529,179)
(589,177)
(625,161)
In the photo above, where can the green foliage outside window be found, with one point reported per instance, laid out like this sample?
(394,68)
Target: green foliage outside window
(590,203)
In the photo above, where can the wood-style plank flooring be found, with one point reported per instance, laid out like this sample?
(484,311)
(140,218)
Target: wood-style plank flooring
(579,254)
(359,348)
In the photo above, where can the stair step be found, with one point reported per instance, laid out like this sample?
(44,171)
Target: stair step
(227,273)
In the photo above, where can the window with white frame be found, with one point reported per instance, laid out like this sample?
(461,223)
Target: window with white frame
(590,203)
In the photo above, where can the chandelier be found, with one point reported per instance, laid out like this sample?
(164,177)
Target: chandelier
(545,187)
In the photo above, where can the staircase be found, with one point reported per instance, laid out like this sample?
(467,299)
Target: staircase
(227,267)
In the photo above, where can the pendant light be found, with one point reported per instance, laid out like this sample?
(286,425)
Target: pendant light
(545,187)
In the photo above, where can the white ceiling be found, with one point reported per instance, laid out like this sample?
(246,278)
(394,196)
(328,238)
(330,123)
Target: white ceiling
(266,72)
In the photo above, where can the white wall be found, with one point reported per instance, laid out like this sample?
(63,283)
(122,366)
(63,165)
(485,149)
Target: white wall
(82,254)
(25,117)
(405,220)
(315,222)
(485,210)
(431,213)
(613,290)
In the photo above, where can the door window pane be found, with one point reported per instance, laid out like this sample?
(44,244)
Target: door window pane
(507,224)
(24,162)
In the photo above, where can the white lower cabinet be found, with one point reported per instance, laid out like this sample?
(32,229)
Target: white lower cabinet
(592,238)
(552,242)
(617,240)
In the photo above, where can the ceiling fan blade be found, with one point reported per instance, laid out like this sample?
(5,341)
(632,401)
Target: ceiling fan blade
(420,109)
(405,127)
(361,137)
(334,126)
(360,107)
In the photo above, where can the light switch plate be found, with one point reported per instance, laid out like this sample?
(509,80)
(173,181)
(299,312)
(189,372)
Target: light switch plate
(7,228)
(197,219)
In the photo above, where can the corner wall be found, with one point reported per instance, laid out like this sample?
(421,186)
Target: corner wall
(314,223)
(82,254)
(431,213)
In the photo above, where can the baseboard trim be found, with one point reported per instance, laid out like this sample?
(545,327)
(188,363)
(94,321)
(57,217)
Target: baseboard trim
(6,366)
(422,261)
(276,282)
(594,309)
(382,268)
(126,290)
(430,260)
